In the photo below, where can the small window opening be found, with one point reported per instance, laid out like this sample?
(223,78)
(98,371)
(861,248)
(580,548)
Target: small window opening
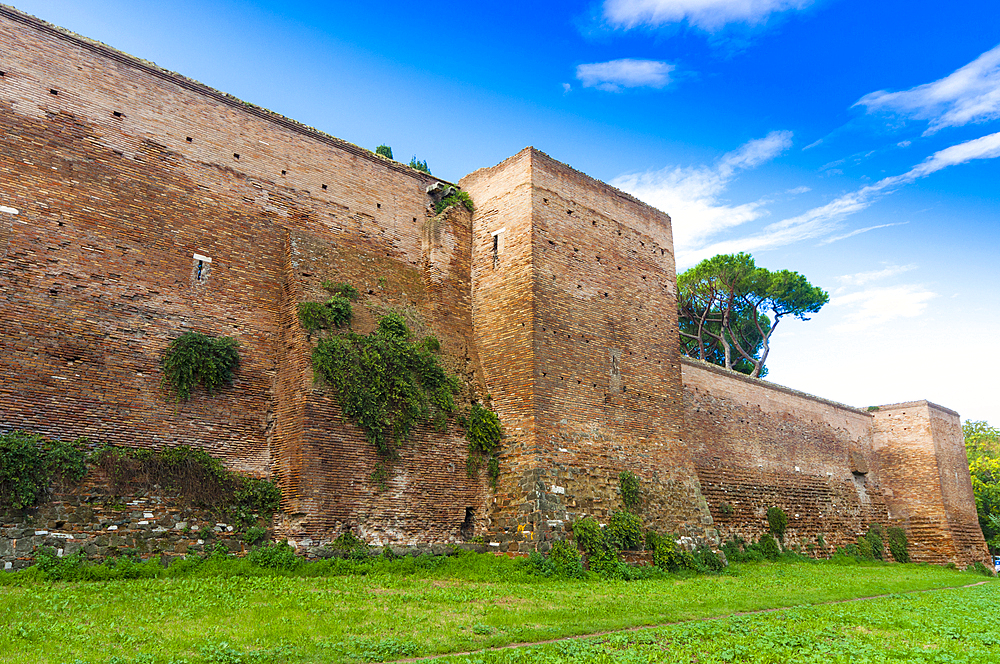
(54,92)
(497,245)
(118,114)
(324,186)
(236,156)
(189,139)
(378,205)
(202,265)
(414,220)
(283,172)
(198,272)
(469,525)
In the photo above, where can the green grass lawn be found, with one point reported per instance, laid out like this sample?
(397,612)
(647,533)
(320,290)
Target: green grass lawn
(408,608)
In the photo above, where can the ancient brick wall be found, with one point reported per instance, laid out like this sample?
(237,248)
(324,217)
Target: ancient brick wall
(833,469)
(920,449)
(123,178)
(578,285)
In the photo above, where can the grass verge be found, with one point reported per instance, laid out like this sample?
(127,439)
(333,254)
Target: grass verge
(231,612)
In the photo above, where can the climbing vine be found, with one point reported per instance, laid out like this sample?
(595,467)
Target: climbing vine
(483,431)
(29,463)
(195,358)
(386,382)
(629,485)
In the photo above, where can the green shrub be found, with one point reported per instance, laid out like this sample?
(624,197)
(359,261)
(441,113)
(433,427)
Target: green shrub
(275,556)
(821,542)
(254,535)
(768,547)
(565,559)
(458,198)
(588,535)
(725,509)
(652,539)
(349,541)
(624,531)
(777,522)
(628,483)
(419,165)
(195,358)
(671,557)
(979,568)
(874,537)
(707,560)
(864,549)
(384,151)
(386,383)
(342,289)
(335,312)
(898,544)
(484,430)
(29,463)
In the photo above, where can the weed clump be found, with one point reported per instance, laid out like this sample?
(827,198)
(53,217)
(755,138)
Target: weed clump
(628,483)
(29,463)
(457,198)
(777,522)
(898,544)
(198,359)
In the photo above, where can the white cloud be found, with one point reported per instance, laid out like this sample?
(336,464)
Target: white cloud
(567,87)
(876,306)
(970,94)
(709,15)
(691,195)
(862,278)
(799,190)
(824,219)
(625,73)
(903,144)
(859,231)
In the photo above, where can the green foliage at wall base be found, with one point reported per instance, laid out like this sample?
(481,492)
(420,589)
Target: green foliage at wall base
(192,475)
(898,544)
(386,383)
(195,358)
(624,531)
(777,522)
(29,463)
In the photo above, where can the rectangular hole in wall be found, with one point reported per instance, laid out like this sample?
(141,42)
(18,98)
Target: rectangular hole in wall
(324,186)
(236,155)
(202,266)
(498,237)
(2,74)
(189,139)
(283,172)
(118,114)
(53,92)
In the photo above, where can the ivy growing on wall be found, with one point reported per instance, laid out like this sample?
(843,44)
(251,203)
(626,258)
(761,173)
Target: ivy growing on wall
(629,485)
(29,464)
(195,358)
(483,431)
(386,382)
(192,475)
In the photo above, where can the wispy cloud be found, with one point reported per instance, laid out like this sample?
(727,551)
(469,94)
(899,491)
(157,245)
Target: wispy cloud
(859,231)
(862,278)
(691,195)
(874,306)
(616,75)
(968,95)
(709,15)
(825,219)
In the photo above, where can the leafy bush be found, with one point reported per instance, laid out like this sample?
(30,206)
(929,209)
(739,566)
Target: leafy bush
(725,509)
(484,430)
(254,535)
(874,537)
(588,535)
(707,560)
(419,165)
(29,463)
(864,549)
(624,531)
(652,539)
(671,557)
(777,522)
(457,198)
(275,556)
(979,568)
(386,383)
(335,312)
(768,548)
(384,151)
(898,544)
(565,559)
(628,483)
(343,289)
(195,358)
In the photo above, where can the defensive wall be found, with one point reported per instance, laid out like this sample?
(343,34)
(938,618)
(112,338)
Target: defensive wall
(136,204)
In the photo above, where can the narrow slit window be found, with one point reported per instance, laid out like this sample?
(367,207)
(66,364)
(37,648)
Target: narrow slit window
(54,92)
(189,139)
(118,114)
(202,266)
(498,243)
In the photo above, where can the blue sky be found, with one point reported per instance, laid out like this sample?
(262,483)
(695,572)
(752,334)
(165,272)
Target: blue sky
(855,142)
